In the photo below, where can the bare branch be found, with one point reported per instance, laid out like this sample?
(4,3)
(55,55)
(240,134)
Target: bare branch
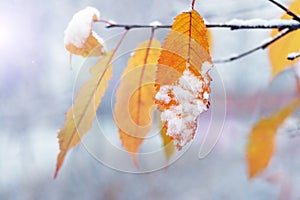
(295,17)
(262,46)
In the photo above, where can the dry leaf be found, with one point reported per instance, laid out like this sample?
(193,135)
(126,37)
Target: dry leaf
(278,52)
(182,79)
(79,37)
(81,115)
(260,146)
(135,96)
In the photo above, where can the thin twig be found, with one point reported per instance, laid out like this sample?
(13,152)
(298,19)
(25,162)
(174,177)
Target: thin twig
(293,56)
(262,46)
(295,17)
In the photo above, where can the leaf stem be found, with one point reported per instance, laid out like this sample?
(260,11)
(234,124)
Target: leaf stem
(193,4)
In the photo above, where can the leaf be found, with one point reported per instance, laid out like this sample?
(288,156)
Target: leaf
(186,42)
(182,79)
(91,47)
(210,39)
(278,51)
(81,115)
(79,38)
(167,141)
(261,140)
(135,96)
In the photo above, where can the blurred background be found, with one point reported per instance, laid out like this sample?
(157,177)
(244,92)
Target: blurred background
(36,90)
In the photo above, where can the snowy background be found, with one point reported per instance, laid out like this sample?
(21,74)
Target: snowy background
(36,85)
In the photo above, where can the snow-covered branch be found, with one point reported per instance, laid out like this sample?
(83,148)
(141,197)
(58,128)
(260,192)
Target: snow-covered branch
(284,26)
(294,55)
(234,24)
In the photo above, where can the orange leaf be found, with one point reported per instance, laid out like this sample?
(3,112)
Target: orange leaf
(182,78)
(278,52)
(187,42)
(135,96)
(81,115)
(260,146)
(79,37)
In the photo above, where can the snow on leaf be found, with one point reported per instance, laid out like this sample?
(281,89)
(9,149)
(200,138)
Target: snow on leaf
(167,141)
(81,115)
(79,38)
(261,140)
(182,79)
(180,119)
(279,51)
(135,96)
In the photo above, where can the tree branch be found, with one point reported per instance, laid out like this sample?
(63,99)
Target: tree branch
(295,17)
(233,25)
(262,46)
(287,25)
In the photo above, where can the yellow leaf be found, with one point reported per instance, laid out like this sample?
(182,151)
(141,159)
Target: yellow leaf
(79,38)
(278,52)
(185,57)
(81,115)
(210,39)
(135,96)
(167,141)
(260,146)
(91,47)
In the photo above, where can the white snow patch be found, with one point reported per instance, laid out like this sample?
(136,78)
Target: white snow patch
(112,21)
(162,95)
(80,26)
(206,66)
(293,55)
(262,22)
(181,119)
(205,95)
(155,23)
